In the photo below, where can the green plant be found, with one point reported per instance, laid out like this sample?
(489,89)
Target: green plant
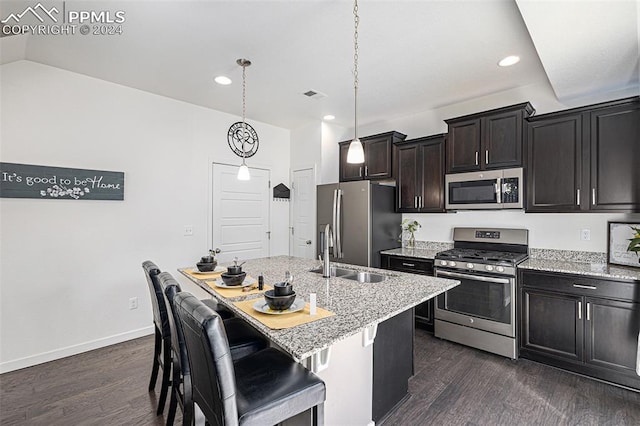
(634,243)
(410,225)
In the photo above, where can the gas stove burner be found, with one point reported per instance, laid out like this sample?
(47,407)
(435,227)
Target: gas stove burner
(482,255)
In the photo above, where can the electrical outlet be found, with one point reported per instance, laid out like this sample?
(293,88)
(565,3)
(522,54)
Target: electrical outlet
(585,234)
(133,303)
(188,230)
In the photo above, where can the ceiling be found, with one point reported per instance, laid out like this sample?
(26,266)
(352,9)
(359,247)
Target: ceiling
(414,55)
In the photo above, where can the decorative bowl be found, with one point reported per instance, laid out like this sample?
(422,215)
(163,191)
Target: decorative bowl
(233,279)
(279,303)
(206,267)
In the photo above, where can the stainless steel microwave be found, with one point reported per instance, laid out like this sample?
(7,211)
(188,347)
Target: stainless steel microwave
(492,189)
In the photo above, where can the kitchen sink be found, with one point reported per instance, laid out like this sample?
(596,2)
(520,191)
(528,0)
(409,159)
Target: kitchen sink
(365,277)
(335,271)
(350,274)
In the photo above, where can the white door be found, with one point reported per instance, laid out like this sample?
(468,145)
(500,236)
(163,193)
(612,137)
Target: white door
(303,214)
(240,213)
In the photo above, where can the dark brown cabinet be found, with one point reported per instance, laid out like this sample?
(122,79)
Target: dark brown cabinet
(487,140)
(378,158)
(583,159)
(585,325)
(424,311)
(420,175)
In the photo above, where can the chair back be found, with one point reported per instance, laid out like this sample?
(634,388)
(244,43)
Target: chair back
(212,373)
(160,317)
(170,288)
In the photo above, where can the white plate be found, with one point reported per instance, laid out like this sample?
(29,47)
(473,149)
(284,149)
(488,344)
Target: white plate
(246,283)
(216,270)
(261,306)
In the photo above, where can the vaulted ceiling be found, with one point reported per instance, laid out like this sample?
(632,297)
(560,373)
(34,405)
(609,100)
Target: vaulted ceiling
(414,55)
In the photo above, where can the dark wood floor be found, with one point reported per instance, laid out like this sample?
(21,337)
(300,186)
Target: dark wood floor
(453,385)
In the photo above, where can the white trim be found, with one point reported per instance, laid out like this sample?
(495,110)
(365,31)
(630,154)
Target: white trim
(55,354)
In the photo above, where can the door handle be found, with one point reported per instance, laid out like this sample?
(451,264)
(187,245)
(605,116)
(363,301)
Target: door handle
(408,264)
(308,242)
(476,158)
(486,157)
(366,171)
(588,309)
(588,287)
(360,171)
(578,197)
(421,204)
(593,196)
(338,230)
(415,201)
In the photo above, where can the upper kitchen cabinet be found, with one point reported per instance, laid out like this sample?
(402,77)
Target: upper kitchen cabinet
(487,140)
(420,175)
(614,142)
(378,158)
(583,159)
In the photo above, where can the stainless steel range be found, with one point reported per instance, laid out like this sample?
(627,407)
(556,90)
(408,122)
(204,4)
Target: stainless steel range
(481,311)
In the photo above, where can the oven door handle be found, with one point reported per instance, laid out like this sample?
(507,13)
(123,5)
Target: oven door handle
(473,277)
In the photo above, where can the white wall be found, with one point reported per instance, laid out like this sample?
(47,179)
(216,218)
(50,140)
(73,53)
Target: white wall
(68,268)
(559,231)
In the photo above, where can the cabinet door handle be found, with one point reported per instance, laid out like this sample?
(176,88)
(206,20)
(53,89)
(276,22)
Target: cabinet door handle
(366,170)
(476,158)
(588,308)
(588,287)
(360,171)
(415,201)
(578,197)
(579,310)
(420,202)
(486,157)
(593,196)
(408,264)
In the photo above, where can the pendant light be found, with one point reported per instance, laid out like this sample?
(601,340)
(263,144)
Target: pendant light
(355,155)
(243,171)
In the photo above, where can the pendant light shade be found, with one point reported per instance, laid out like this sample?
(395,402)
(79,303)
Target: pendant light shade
(243,172)
(355,155)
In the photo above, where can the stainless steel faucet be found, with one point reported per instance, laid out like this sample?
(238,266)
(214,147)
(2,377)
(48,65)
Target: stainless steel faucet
(327,242)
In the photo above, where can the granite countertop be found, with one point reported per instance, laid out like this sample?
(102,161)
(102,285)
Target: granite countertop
(593,269)
(356,305)
(419,253)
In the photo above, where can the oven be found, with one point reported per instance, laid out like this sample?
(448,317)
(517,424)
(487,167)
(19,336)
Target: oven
(484,302)
(481,311)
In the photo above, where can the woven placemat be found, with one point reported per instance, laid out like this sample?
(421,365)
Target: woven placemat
(202,275)
(236,291)
(277,322)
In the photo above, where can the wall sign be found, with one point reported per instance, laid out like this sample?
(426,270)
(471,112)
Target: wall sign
(30,181)
(624,244)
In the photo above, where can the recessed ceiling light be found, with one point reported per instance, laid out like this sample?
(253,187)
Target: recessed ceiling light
(221,79)
(329,117)
(508,61)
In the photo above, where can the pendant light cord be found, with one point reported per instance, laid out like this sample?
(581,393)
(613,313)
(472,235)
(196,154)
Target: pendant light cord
(356,22)
(244,103)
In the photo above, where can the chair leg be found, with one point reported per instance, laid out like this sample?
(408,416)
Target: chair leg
(173,403)
(188,409)
(166,374)
(156,362)
(317,413)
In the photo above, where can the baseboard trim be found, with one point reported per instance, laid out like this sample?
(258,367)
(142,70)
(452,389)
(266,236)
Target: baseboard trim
(55,354)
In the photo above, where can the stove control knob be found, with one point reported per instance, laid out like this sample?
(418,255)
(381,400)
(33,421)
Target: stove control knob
(489,267)
(443,262)
(470,265)
(500,269)
(451,263)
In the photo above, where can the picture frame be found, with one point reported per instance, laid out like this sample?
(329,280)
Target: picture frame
(619,235)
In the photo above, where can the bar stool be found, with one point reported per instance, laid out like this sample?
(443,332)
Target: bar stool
(162,345)
(243,340)
(264,388)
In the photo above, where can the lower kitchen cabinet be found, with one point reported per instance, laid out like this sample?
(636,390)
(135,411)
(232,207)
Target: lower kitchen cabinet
(424,311)
(585,325)
(392,363)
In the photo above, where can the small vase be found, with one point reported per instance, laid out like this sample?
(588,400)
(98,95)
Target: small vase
(411,243)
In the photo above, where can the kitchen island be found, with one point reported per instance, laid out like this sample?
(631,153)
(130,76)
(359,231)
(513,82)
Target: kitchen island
(338,348)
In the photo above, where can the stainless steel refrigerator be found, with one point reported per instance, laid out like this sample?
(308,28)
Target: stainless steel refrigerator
(363,220)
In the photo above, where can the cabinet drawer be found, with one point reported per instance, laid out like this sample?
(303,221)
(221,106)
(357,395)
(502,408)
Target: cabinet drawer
(409,264)
(580,285)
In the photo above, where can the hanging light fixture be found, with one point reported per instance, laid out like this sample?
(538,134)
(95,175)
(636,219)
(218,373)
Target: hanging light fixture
(243,171)
(355,155)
